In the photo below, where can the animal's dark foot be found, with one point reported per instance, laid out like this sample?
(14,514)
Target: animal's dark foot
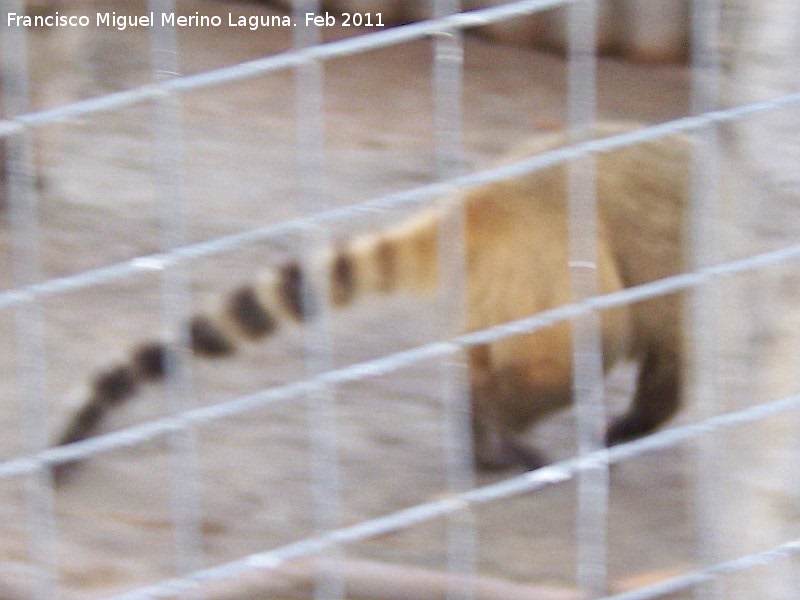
(530,459)
(511,456)
(626,428)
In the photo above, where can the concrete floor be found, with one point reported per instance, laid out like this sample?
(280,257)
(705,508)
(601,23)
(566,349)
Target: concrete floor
(100,207)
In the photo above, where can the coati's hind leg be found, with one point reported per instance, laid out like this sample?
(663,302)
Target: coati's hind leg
(658,396)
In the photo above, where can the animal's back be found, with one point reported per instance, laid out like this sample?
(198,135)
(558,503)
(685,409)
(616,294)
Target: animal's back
(641,192)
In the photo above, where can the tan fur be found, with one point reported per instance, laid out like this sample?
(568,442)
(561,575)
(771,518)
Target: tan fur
(517,265)
(517,244)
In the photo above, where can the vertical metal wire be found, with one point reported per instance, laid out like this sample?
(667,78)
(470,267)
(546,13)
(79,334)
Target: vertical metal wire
(176,297)
(703,240)
(29,318)
(457,415)
(592,518)
(325,486)
(593,491)
(766,63)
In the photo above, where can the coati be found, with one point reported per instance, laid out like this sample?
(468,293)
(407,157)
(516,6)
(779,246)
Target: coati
(516,265)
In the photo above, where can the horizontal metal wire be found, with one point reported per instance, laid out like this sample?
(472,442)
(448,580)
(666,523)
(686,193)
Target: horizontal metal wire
(560,472)
(417,195)
(390,363)
(679,583)
(278,62)
(520,484)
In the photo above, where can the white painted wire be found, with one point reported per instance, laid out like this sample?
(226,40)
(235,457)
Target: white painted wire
(26,291)
(391,362)
(593,483)
(176,302)
(320,399)
(703,577)
(461,532)
(520,484)
(703,249)
(287,60)
(29,315)
(418,195)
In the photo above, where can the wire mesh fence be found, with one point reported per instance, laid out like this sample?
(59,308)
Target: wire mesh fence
(195,569)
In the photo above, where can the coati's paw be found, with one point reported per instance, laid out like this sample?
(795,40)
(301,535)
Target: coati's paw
(624,429)
(510,456)
(529,458)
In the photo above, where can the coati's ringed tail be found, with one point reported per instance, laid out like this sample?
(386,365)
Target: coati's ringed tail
(517,265)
